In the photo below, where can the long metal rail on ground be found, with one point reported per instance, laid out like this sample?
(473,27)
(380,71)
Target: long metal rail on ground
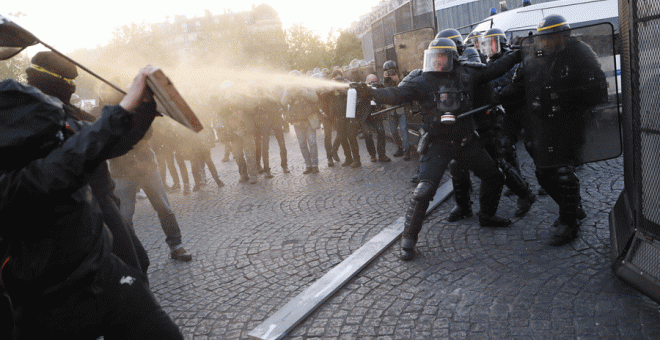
(295,311)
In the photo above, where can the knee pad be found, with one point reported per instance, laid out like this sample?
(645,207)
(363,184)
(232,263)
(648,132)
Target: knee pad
(424,191)
(566,176)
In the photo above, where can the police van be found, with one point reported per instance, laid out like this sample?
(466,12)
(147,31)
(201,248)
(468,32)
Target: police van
(521,22)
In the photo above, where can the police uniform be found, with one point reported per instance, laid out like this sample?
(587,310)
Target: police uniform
(451,89)
(573,64)
(499,146)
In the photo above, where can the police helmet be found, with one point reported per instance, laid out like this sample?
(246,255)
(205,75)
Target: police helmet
(389,66)
(474,40)
(440,55)
(355,63)
(454,35)
(295,73)
(493,42)
(552,23)
(470,54)
(316,70)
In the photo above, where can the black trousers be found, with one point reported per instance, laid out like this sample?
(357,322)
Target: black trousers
(471,156)
(124,309)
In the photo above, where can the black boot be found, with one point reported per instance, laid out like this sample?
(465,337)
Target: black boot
(414,217)
(493,221)
(459,213)
(489,199)
(407,249)
(460,179)
(564,233)
(524,205)
(398,152)
(517,185)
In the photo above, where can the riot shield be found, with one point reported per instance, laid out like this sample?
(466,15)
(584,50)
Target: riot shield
(571,94)
(409,48)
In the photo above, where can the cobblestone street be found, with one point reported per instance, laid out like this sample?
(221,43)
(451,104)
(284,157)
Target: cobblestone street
(257,246)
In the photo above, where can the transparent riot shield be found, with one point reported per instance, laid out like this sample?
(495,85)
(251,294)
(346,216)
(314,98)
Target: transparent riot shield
(571,94)
(409,48)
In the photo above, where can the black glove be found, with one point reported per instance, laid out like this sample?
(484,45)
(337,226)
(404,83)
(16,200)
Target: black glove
(364,91)
(495,91)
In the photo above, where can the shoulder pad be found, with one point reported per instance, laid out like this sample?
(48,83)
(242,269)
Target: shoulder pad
(412,75)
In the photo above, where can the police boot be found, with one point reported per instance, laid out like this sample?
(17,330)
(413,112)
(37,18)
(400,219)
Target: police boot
(565,232)
(524,205)
(398,152)
(489,199)
(462,184)
(414,217)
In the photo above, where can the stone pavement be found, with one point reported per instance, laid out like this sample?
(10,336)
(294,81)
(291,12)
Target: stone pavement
(258,246)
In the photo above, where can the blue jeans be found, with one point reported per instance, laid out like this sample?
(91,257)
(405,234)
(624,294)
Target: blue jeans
(399,120)
(307,140)
(152,185)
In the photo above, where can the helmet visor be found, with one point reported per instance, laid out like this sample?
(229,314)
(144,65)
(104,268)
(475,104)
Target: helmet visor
(475,41)
(491,45)
(439,59)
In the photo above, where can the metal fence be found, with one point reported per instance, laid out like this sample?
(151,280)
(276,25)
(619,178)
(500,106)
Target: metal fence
(645,74)
(635,219)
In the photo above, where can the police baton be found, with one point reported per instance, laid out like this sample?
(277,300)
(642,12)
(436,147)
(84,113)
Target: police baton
(471,112)
(387,110)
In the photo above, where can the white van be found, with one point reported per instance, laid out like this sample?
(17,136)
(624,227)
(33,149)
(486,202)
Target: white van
(522,20)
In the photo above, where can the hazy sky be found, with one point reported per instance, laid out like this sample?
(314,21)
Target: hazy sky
(70,24)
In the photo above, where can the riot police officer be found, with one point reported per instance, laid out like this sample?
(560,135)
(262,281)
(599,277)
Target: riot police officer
(455,36)
(445,88)
(465,52)
(573,64)
(499,147)
(473,40)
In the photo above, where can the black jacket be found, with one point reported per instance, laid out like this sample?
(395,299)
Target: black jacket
(61,240)
(421,86)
